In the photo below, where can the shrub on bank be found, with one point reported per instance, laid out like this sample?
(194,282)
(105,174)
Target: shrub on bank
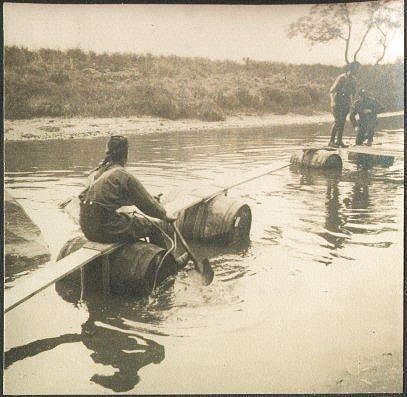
(70,83)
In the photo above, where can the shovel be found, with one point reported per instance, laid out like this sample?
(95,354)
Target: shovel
(204,267)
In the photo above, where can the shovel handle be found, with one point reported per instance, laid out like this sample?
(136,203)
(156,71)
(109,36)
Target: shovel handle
(64,203)
(203,267)
(185,245)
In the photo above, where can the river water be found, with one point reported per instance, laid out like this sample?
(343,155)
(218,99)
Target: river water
(313,303)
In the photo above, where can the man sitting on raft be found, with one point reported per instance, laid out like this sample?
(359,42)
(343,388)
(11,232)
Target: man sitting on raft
(110,188)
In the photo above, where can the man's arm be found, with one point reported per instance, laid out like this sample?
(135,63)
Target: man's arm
(379,108)
(143,200)
(353,113)
(335,85)
(353,90)
(335,88)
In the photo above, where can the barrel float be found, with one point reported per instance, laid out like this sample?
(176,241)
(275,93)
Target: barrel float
(325,158)
(134,268)
(222,220)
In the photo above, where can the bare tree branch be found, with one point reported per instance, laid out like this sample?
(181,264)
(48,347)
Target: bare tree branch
(381,56)
(349,23)
(347,41)
(330,22)
(380,30)
(384,41)
(362,41)
(372,9)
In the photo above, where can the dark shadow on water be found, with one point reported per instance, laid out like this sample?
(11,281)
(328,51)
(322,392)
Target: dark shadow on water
(126,352)
(105,333)
(39,346)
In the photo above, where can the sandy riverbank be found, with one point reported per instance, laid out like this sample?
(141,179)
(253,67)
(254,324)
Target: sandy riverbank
(72,128)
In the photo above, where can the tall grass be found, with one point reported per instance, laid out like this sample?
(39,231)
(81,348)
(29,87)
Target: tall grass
(52,83)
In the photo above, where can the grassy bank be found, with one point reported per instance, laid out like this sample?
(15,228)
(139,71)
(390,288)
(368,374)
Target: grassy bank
(74,83)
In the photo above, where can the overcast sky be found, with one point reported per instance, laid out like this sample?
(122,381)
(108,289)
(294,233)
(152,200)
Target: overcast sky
(214,31)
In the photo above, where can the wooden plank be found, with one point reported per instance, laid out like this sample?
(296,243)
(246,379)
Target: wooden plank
(372,150)
(101,247)
(54,271)
(390,114)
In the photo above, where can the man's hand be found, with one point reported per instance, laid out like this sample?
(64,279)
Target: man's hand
(170,218)
(158,197)
(353,120)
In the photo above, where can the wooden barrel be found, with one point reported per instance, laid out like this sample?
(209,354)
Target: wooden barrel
(325,158)
(134,268)
(221,220)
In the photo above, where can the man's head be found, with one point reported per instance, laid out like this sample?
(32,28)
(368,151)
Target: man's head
(353,67)
(117,149)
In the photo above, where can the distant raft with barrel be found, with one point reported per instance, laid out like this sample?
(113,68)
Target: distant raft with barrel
(322,158)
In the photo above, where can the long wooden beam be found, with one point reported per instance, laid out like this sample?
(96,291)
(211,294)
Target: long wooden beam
(182,200)
(52,272)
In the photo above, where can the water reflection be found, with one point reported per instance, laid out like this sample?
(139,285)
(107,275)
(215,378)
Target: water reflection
(360,197)
(349,214)
(341,216)
(334,219)
(105,333)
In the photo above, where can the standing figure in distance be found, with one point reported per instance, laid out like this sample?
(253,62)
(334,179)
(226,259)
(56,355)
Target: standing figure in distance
(367,108)
(341,93)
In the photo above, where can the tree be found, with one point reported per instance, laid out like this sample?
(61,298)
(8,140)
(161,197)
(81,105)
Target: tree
(387,21)
(329,22)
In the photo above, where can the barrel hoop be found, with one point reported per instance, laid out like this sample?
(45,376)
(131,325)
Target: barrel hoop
(200,221)
(228,219)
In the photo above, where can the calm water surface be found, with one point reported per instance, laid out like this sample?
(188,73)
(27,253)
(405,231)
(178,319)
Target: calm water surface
(316,291)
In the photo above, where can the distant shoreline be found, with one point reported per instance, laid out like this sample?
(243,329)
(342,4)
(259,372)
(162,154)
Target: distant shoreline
(82,127)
